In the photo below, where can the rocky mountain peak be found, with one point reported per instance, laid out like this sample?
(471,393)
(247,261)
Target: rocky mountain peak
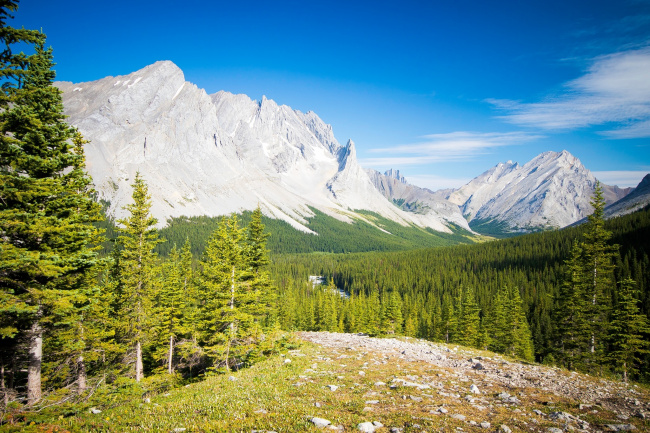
(395,174)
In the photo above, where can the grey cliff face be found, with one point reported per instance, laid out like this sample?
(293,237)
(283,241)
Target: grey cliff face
(216,154)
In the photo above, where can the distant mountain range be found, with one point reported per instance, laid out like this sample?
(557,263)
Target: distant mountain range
(217,154)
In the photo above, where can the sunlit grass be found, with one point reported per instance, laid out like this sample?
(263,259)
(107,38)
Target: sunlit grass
(276,395)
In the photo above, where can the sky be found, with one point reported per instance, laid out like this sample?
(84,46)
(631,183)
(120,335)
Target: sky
(441,90)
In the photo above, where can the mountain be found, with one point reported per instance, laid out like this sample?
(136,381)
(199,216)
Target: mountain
(217,154)
(637,199)
(552,190)
(414,199)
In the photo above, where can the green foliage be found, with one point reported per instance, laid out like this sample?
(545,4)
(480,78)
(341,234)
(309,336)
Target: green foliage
(629,331)
(48,261)
(333,235)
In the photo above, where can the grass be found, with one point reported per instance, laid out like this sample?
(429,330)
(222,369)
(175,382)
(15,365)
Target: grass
(282,393)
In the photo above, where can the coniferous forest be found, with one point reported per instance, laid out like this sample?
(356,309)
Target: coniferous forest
(88,304)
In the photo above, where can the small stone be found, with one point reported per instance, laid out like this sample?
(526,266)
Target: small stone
(377,424)
(366,427)
(458,416)
(95,411)
(179,429)
(504,429)
(620,427)
(538,412)
(320,422)
(380,384)
(477,366)
(396,430)
(553,430)
(287,361)
(332,387)
(415,398)
(485,424)
(442,410)
(232,378)
(317,404)
(362,373)
(474,389)
(372,401)
(261,411)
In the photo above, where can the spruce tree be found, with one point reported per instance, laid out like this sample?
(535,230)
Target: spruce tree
(46,239)
(629,331)
(138,238)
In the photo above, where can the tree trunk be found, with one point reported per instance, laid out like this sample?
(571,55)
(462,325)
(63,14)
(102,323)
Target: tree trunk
(81,375)
(138,362)
(170,355)
(35,360)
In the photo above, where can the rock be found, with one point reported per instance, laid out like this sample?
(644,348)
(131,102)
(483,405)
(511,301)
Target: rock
(377,424)
(232,378)
(458,416)
(320,422)
(179,429)
(362,373)
(538,412)
(485,425)
(261,411)
(332,387)
(317,404)
(287,361)
(620,427)
(554,430)
(366,427)
(474,389)
(477,366)
(380,384)
(95,411)
(415,398)
(442,410)
(504,429)
(372,401)
(147,400)
(396,430)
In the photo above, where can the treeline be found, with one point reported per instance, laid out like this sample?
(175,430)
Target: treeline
(70,315)
(333,236)
(431,285)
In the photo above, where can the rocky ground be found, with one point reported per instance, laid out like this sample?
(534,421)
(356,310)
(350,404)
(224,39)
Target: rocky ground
(479,388)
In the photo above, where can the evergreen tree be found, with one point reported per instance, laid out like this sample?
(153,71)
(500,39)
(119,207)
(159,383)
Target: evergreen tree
(46,239)
(519,338)
(469,320)
(391,320)
(570,316)
(599,279)
(628,328)
(138,238)
(173,304)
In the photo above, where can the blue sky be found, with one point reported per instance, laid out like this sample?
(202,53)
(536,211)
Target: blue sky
(440,90)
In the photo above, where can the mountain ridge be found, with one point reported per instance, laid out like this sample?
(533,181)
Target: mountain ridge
(217,154)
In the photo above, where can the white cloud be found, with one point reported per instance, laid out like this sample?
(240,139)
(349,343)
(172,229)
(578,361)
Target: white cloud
(453,146)
(615,89)
(621,178)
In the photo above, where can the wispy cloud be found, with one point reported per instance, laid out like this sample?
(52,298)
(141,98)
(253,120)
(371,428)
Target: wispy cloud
(453,146)
(615,89)
(434,182)
(621,178)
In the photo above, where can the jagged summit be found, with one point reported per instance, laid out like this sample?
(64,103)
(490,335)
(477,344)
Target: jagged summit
(217,154)
(395,175)
(550,191)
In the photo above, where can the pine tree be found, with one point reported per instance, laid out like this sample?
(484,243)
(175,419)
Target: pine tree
(628,328)
(570,315)
(599,279)
(469,320)
(173,304)
(519,338)
(138,238)
(46,239)
(391,320)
